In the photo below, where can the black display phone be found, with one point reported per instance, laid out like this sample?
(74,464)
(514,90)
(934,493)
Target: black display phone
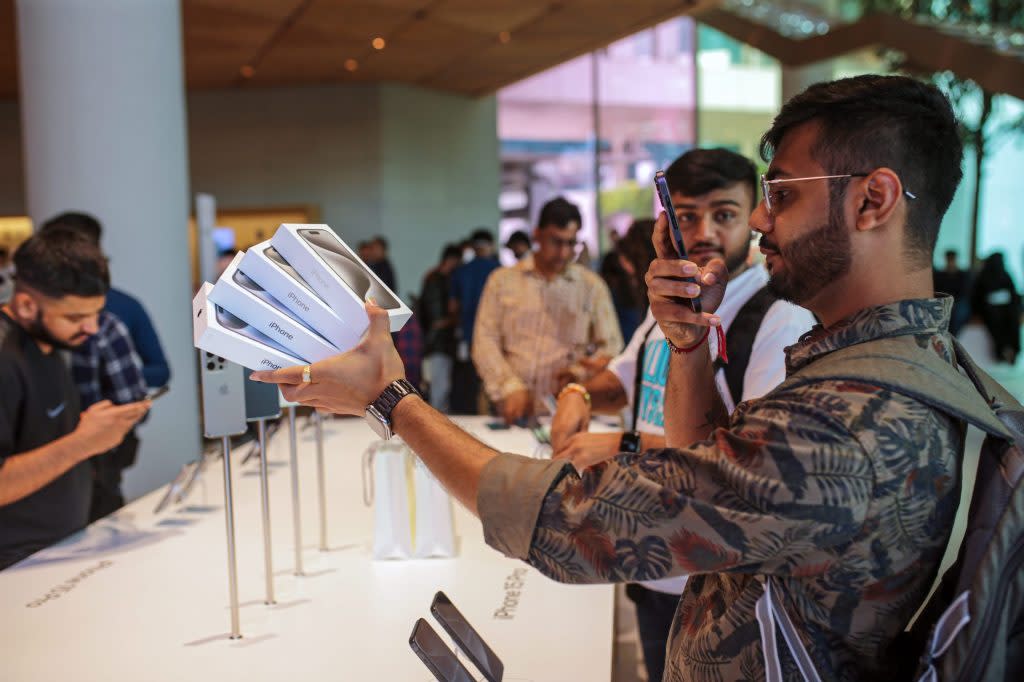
(665,197)
(468,639)
(435,654)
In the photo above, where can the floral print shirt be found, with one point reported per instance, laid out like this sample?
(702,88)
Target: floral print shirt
(843,491)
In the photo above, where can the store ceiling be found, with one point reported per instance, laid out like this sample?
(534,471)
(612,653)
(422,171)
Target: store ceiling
(475,47)
(471,47)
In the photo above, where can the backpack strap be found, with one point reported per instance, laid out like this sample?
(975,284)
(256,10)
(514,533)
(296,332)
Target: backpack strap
(900,365)
(739,340)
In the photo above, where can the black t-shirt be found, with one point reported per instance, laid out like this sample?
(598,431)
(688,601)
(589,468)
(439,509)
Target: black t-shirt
(38,404)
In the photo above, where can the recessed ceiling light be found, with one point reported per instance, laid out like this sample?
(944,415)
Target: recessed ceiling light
(351,65)
(247,71)
(378,43)
(504,37)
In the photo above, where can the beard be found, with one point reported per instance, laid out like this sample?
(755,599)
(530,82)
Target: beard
(812,261)
(734,260)
(38,331)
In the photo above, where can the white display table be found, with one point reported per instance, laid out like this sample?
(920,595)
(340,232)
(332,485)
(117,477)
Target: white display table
(144,597)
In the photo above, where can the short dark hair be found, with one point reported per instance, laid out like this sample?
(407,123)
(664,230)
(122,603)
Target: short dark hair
(559,212)
(60,263)
(481,234)
(82,223)
(382,241)
(518,237)
(451,251)
(951,253)
(870,122)
(700,171)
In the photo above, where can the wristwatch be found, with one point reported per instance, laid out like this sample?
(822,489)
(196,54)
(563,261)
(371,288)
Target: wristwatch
(378,413)
(630,442)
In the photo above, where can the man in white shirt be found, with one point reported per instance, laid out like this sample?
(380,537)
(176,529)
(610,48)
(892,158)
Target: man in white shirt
(713,192)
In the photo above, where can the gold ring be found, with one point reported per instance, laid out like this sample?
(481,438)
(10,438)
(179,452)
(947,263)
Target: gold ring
(305,375)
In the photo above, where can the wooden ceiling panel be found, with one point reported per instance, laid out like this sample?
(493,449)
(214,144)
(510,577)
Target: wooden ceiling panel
(490,17)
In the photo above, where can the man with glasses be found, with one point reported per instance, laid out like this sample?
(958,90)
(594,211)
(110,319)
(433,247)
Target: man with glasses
(714,192)
(46,442)
(837,492)
(541,316)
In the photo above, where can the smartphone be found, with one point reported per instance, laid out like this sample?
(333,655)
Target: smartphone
(158,392)
(435,654)
(665,197)
(350,269)
(468,639)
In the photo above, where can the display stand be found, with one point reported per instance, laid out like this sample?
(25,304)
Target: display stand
(229,523)
(268,559)
(296,503)
(321,482)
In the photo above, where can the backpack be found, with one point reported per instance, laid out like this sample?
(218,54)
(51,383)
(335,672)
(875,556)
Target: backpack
(972,626)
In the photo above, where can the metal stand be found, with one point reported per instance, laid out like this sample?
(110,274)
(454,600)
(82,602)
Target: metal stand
(296,504)
(268,559)
(229,522)
(321,479)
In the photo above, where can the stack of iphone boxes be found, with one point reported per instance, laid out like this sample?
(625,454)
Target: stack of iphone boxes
(293,300)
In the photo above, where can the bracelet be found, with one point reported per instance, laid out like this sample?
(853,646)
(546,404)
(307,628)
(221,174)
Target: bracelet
(575,388)
(700,342)
(676,349)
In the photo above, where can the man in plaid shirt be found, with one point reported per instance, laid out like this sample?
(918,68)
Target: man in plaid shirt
(106,367)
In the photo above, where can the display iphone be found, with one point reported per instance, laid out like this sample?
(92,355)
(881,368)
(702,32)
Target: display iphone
(438,658)
(349,269)
(468,639)
(665,197)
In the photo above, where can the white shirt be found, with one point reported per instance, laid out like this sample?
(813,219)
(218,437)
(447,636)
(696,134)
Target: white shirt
(783,325)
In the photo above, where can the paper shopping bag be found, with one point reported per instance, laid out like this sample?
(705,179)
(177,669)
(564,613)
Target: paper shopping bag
(386,487)
(435,535)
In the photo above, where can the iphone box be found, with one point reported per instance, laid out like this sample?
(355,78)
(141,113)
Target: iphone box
(337,274)
(265,266)
(217,331)
(245,299)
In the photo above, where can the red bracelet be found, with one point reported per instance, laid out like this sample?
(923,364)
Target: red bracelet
(700,342)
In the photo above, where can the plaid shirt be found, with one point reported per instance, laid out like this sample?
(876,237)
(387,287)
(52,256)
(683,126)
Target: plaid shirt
(106,367)
(842,491)
(529,327)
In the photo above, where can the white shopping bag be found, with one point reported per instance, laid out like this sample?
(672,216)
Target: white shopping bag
(386,487)
(435,536)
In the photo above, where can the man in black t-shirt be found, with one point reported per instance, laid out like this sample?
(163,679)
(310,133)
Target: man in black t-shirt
(45,441)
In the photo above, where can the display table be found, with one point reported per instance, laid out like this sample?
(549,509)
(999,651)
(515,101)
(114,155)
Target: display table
(139,596)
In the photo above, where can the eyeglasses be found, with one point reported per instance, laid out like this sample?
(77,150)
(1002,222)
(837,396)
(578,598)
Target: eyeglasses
(766,184)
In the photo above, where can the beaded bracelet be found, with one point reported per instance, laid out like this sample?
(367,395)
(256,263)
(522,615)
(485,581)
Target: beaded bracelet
(575,388)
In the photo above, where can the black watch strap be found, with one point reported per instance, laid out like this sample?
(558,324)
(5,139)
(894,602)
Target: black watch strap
(390,396)
(630,442)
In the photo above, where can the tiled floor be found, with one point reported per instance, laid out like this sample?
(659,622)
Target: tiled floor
(628,658)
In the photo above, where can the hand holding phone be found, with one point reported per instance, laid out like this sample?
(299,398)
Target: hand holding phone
(665,197)
(158,392)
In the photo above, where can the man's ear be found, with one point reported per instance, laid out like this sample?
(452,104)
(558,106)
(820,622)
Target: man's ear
(878,198)
(24,306)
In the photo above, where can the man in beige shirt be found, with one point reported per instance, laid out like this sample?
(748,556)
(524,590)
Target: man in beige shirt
(543,315)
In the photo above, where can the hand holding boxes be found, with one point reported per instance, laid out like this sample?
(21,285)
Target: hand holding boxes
(294,300)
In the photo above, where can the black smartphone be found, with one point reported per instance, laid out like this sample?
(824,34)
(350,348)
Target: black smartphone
(158,392)
(665,197)
(468,639)
(436,655)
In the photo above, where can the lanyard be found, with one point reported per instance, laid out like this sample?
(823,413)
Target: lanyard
(638,380)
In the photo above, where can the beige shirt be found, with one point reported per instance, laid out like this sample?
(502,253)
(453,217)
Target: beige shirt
(529,327)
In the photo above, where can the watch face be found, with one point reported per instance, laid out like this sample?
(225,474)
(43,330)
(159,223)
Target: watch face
(378,423)
(630,442)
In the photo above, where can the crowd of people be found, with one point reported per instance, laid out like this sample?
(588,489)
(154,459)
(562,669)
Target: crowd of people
(819,507)
(741,464)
